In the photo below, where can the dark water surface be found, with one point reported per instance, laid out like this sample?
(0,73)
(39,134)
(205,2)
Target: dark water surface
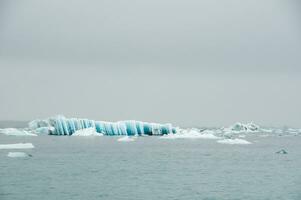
(151,168)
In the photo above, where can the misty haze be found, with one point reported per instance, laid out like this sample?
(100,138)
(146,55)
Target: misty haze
(150,99)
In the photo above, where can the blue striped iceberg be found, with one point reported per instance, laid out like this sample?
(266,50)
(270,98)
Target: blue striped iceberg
(61,125)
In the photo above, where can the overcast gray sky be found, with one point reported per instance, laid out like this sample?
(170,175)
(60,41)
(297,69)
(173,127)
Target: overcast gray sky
(192,63)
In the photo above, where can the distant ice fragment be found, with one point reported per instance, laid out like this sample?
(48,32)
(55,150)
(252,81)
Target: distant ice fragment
(18,155)
(126,139)
(282,151)
(233,141)
(87,132)
(16,132)
(17,146)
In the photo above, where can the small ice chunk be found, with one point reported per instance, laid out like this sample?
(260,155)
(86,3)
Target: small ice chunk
(126,139)
(233,141)
(16,132)
(18,155)
(17,146)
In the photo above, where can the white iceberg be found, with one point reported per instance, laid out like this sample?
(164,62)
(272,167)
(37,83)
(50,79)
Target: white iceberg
(233,141)
(17,146)
(18,155)
(16,132)
(191,134)
(242,128)
(87,132)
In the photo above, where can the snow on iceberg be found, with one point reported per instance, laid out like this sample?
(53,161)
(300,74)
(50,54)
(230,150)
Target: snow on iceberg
(61,125)
(17,146)
(87,132)
(18,155)
(233,141)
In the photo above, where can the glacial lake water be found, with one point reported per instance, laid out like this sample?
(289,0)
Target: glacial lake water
(63,167)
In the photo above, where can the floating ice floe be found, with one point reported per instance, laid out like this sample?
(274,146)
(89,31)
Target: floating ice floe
(17,146)
(127,139)
(16,132)
(61,125)
(87,132)
(233,141)
(18,155)
(191,134)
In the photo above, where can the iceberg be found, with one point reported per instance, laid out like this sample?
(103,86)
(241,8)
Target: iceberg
(61,125)
(16,132)
(240,127)
(17,146)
